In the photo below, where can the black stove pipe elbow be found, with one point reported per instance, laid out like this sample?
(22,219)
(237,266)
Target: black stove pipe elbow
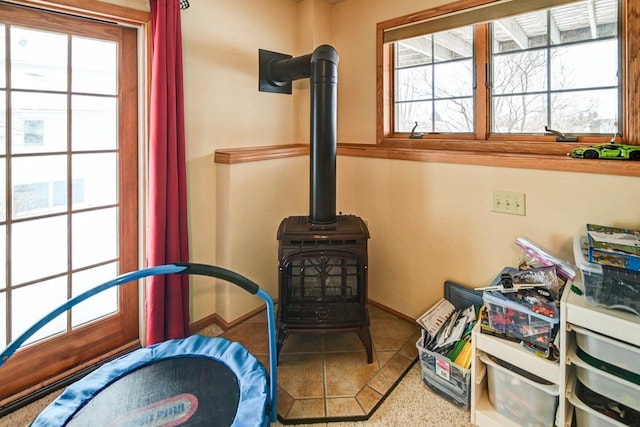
(289,69)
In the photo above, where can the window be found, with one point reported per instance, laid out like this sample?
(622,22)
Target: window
(434,82)
(506,77)
(556,68)
(69,204)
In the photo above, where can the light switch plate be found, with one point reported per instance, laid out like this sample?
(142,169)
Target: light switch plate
(508,202)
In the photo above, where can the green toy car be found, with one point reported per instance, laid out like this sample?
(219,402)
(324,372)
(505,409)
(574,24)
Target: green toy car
(607,151)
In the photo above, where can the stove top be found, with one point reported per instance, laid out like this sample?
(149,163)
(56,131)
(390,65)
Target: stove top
(345,227)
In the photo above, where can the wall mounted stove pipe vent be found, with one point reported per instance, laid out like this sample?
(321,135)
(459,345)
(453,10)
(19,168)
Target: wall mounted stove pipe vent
(277,71)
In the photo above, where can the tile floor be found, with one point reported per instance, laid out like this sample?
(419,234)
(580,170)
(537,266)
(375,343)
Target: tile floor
(326,377)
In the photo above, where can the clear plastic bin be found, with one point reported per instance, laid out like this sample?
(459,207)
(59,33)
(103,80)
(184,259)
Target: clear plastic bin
(517,321)
(588,417)
(608,385)
(520,399)
(606,286)
(448,379)
(613,352)
(592,409)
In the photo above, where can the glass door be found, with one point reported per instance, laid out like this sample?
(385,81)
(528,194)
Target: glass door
(68,213)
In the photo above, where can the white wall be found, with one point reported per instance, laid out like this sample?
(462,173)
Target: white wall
(252,199)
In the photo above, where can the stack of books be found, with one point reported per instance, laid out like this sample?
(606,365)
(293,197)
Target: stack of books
(614,247)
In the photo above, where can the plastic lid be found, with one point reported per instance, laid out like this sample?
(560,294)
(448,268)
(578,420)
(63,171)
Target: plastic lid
(580,250)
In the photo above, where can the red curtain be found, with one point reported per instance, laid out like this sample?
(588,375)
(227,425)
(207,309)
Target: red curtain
(167,298)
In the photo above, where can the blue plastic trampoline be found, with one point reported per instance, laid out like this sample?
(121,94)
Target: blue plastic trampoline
(195,381)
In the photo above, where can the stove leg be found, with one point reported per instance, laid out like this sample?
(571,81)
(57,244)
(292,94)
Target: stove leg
(365,337)
(281,338)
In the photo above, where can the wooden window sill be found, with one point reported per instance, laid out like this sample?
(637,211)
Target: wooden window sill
(556,162)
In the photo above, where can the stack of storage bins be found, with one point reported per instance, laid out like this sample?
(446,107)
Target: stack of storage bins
(608,380)
(530,318)
(607,371)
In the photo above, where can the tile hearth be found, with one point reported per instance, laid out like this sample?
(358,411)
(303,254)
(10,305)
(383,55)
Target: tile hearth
(327,377)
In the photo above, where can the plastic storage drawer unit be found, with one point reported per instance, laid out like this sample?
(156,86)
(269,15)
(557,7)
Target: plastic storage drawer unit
(446,378)
(527,402)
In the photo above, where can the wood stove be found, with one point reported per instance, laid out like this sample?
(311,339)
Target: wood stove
(322,275)
(322,257)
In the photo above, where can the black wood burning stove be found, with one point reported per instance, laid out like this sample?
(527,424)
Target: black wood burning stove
(323,257)
(323,278)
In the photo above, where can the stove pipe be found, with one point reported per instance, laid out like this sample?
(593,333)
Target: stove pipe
(322,68)
(324,107)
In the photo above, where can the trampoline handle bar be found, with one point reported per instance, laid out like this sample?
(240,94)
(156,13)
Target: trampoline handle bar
(177,268)
(220,273)
(120,280)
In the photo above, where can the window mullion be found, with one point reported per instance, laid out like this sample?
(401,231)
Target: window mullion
(548,64)
(9,185)
(69,180)
(481,54)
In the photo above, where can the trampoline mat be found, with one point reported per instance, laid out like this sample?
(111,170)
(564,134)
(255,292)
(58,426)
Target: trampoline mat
(196,381)
(168,392)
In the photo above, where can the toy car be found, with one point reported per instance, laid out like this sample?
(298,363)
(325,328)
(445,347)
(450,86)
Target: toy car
(607,151)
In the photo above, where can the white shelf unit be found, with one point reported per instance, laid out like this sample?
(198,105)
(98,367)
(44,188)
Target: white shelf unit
(615,324)
(574,311)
